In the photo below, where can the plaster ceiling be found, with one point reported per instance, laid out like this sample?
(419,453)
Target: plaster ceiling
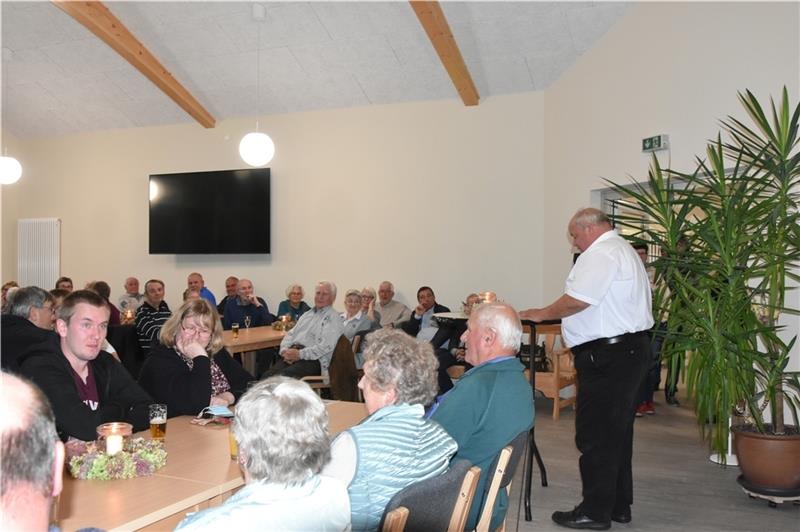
(58,78)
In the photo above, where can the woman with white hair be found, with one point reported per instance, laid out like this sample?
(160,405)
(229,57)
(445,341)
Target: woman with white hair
(293,306)
(355,319)
(281,428)
(395,446)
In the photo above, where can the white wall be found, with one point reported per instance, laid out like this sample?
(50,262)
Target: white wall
(427,193)
(671,68)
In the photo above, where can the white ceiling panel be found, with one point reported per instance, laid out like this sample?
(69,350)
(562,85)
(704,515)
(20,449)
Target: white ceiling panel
(59,78)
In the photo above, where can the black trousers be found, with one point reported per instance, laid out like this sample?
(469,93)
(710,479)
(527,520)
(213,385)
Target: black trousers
(609,379)
(298,370)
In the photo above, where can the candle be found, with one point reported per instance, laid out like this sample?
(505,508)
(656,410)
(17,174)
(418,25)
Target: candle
(113,444)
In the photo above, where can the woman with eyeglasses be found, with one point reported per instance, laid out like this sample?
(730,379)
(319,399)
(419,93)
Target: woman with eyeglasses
(189,369)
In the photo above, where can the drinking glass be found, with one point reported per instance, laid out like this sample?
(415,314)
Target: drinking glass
(235,330)
(158,421)
(247,320)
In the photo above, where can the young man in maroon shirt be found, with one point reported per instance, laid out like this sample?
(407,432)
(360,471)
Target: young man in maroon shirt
(86,386)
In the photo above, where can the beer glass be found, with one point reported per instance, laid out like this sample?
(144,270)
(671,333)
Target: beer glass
(235,330)
(158,421)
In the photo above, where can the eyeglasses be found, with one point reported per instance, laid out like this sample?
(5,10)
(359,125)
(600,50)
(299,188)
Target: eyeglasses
(49,309)
(367,296)
(196,330)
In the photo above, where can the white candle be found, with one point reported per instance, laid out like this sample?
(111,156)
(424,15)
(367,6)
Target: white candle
(113,444)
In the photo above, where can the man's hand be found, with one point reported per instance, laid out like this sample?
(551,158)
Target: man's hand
(420,310)
(291,355)
(254,300)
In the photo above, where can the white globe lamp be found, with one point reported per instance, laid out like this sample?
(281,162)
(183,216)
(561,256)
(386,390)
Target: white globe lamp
(256,149)
(10,170)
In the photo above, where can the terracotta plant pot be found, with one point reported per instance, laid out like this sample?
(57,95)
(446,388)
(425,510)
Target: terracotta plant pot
(768,460)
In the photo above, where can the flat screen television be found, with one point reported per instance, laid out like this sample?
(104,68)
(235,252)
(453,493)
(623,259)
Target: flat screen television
(226,211)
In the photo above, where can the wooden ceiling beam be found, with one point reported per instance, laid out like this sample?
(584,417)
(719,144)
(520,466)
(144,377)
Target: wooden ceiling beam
(435,24)
(102,22)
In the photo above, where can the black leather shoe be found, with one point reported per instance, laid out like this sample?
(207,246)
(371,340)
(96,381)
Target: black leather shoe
(577,519)
(672,400)
(622,517)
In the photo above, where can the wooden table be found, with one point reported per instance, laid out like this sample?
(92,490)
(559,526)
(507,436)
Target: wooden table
(251,340)
(199,474)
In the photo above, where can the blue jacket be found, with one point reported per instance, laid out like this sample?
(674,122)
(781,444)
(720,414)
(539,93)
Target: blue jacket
(236,312)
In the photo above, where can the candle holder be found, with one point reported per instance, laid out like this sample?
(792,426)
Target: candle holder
(113,437)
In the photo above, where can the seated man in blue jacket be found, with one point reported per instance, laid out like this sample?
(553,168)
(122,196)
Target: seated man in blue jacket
(246,308)
(491,403)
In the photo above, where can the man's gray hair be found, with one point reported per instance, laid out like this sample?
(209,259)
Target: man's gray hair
(23,299)
(282,430)
(503,320)
(394,359)
(27,450)
(330,285)
(590,217)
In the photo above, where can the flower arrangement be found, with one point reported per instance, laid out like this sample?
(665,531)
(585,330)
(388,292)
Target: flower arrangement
(141,458)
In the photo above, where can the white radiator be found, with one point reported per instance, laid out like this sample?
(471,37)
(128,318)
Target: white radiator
(38,252)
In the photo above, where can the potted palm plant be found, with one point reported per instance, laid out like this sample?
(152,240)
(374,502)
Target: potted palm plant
(730,239)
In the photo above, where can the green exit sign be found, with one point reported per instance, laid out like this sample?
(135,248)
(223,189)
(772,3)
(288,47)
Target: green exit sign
(659,142)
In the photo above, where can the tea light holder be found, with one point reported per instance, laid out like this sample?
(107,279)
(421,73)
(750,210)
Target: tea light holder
(113,437)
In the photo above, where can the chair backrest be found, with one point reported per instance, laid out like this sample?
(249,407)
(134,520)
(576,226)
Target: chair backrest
(502,469)
(431,502)
(343,372)
(464,501)
(396,520)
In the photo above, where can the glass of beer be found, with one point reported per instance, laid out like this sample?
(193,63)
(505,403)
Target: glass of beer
(234,447)
(158,421)
(235,330)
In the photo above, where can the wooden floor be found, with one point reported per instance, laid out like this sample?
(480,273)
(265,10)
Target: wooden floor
(676,487)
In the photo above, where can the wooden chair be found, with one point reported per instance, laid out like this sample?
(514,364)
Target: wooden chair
(562,370)
(504,467)
(343,381)
(396,520)
(438,503)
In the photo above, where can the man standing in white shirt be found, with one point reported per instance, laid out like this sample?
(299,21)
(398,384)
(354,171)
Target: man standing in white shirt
(606,311)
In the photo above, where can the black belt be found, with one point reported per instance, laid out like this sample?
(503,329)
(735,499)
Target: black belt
(607,341)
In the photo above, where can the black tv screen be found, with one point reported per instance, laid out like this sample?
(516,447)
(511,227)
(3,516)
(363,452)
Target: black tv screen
(227,211)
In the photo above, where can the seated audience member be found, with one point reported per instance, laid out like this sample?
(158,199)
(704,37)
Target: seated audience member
(64,283)
(355,319)
(102,288)
(86,386)
(152,314)
(28,324)
(6,286)
(393,313)
(293,306)
(421,324)
(58,297)
(449,347)
(307,349)
(131,299)
(230,293)
(281,430)
(491,403)
(195,281)
(395,446)
(190,294)
(246,304)
(33,458)
(189,369)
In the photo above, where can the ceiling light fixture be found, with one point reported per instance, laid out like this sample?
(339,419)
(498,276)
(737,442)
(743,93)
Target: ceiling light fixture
(256,148)
(10,170)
